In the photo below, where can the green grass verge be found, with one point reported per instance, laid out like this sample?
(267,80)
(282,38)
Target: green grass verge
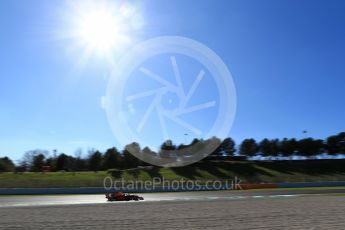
(252,172)
(51,179)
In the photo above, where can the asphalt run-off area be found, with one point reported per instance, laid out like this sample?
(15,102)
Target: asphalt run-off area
(259,209)
(49,200)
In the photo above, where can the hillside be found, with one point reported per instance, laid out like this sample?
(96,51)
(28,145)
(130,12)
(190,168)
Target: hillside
(247,171)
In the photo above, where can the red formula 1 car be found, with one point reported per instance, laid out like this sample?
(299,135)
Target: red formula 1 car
(120,196)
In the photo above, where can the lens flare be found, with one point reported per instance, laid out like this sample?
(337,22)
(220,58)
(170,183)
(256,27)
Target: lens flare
(100,28)
(101,31)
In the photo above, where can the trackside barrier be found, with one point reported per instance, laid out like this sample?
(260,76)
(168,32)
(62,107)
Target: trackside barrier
(101,190)
(97,190)
(258,186)
(49,191)
(311,184)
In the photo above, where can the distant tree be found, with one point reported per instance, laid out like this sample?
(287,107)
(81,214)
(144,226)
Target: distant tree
(265,147)
(288,147)
(309,147)
(28,158)
(341,142)
(183,146)
(22,167)
(226,148)
(195,141)
(249,147)
(147,155)
(275,147)
(319,146)
(26,161)
(269,147)
(149,152)
(332,145)
(111,159)
(62,162)
(168,145)
(129,161)
(79,163)
(184,150)
(51,161)
(37,162)
(167,149)
(6,165)
(134,148)
(216,153)
(134,151)
(95,161)
(336,144)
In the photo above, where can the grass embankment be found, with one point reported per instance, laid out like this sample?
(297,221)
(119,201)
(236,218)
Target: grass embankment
(249,171)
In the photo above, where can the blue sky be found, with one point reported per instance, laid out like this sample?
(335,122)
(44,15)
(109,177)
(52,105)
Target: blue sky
(286,59)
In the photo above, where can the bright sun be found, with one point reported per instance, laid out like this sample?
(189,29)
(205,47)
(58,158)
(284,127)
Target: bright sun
(105,28)
(101,31)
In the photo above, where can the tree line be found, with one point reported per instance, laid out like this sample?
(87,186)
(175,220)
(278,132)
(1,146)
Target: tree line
(112,158)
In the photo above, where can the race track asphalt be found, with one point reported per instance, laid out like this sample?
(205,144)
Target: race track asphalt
(292,209)
(38,200)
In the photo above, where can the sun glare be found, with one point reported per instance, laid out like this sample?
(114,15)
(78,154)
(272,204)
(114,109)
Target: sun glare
(101,31)
(101,28)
